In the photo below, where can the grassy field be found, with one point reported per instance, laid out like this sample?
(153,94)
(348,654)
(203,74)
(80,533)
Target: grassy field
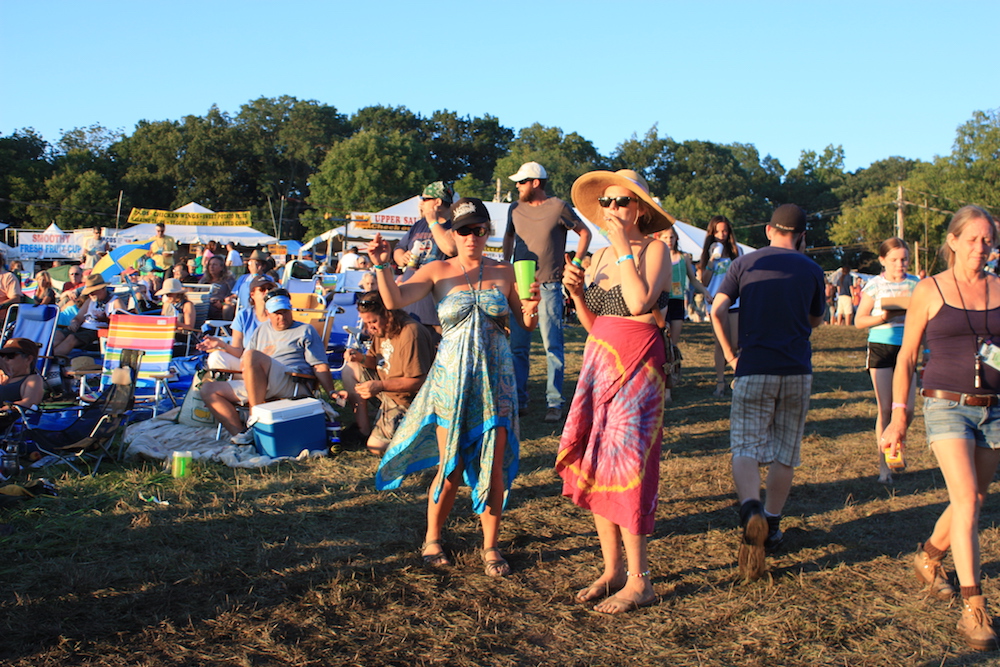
(306,564)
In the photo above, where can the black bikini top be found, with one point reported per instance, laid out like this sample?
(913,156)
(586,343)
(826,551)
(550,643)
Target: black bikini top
(612,302)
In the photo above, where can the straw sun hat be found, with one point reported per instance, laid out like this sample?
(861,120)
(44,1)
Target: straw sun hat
(171,286)
(591,185)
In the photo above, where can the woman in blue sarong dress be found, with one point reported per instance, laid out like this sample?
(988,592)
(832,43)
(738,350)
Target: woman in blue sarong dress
(464,418)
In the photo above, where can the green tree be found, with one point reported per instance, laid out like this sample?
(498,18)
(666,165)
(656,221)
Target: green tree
(82,190)
(462,145)
(24,166)
(367,172)
(152,157)
(651,156)
(285,140)
(379,118)
(74,199)
(565,158)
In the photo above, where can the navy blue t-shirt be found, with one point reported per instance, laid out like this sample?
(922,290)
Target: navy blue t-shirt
(779,289)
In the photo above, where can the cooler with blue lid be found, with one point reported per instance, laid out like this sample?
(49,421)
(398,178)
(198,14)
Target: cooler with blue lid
(286,427)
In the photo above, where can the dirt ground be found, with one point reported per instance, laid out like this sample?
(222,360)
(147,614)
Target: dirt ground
(307,564)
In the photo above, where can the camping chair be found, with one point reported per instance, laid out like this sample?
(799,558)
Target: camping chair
(311,309)
(37,323)
(153,335)
(89,434)
(199,295)
(345,314)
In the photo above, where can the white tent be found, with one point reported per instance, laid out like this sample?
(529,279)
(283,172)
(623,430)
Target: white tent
(242,236)
(192,207)
(393,222)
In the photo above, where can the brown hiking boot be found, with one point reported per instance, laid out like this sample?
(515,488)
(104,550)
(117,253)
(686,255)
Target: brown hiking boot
(976,626)
(931,573)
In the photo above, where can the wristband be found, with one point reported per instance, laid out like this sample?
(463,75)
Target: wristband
(624,258)
(380,267)
(431,223)
(577,263)
(899,405)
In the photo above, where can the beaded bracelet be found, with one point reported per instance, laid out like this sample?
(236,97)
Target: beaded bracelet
(380,267)
(624,258)
(640,575)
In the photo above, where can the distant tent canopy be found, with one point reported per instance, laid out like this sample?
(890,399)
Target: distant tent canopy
(193,223)
(394,221)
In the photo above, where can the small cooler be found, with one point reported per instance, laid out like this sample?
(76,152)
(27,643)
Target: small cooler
(286,427)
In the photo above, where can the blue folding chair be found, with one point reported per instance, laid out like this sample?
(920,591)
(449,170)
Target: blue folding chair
(37,323)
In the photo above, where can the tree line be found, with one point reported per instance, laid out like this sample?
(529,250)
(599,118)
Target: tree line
(300,165)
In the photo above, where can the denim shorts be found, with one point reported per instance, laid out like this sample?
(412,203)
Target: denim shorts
(947,420)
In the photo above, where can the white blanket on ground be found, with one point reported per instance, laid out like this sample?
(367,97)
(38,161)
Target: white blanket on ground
(160,437)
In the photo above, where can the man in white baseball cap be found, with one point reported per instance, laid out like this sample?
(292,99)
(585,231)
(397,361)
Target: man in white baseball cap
(536,230)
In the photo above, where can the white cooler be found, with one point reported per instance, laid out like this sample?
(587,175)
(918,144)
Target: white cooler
(286,427)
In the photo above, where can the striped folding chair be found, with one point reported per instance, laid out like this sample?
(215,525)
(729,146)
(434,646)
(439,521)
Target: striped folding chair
(153,335)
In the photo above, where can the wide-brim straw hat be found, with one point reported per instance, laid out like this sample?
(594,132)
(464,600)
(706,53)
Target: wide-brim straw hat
(171,286)
(592,185)
(94,282)
(82,364)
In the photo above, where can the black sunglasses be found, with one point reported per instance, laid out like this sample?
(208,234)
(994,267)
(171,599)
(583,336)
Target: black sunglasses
(621,201)
(274,293)
(369,305)
(525,181)
(478,232)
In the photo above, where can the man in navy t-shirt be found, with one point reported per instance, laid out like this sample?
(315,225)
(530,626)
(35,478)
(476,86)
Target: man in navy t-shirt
(781,294)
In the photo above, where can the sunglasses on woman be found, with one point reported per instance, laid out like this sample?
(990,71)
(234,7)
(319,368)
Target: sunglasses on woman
(621,201)
(369,305)
(478,232)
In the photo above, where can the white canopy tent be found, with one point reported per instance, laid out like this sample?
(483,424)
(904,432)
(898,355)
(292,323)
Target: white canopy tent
(193,207)
(238,234)
(242,236)
(393,222)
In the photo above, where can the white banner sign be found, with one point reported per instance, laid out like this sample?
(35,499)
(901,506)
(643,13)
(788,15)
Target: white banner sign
(40,245)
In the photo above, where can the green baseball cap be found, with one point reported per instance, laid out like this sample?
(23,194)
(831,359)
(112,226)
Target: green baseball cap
(440,190)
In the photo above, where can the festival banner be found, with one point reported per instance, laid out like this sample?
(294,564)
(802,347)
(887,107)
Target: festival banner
(382,222)
(226,219)
(41,245)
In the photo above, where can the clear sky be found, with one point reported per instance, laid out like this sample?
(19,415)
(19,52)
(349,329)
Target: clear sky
(879,78)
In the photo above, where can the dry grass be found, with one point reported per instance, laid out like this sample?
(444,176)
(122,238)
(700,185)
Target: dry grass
(306,564)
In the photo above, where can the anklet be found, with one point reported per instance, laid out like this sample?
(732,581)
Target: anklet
(640,575)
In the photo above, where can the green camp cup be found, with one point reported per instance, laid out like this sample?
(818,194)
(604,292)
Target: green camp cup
(524,273)
(181,464)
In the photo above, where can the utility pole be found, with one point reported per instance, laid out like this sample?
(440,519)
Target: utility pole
(899,212)
(118,214)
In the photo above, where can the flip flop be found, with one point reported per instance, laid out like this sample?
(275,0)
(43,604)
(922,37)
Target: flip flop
(440,559)
(495,567)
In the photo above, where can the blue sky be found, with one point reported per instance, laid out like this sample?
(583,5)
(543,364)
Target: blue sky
(878,78)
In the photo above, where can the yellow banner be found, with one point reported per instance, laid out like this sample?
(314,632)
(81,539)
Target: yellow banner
(228,219)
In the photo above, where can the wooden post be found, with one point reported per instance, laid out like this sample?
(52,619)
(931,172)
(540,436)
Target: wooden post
(899,212)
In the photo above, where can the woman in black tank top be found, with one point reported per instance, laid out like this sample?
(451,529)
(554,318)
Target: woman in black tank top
(21,384)
(958,311)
